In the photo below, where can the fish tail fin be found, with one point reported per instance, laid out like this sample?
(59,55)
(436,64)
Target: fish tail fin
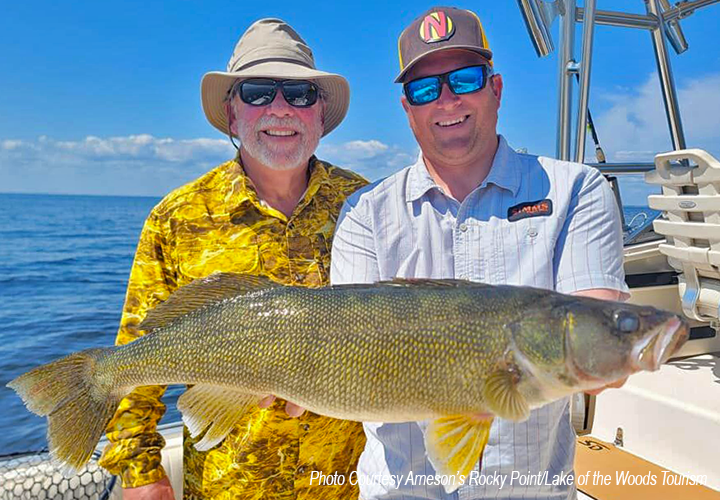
(77,400)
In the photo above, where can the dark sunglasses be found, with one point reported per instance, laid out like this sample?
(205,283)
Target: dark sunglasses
(460,81)
(262,91)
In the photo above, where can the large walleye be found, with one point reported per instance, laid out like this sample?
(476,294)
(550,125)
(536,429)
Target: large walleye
(438,350)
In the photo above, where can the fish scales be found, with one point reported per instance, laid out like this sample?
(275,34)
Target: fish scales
(451,352)
(338,346)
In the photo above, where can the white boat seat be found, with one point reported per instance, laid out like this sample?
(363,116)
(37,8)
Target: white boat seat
(690,201)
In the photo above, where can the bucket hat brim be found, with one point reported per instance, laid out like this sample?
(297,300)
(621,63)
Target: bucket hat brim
(216,84)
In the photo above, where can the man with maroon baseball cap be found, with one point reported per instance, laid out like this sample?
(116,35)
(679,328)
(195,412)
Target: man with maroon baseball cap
(441,29)
(472,208)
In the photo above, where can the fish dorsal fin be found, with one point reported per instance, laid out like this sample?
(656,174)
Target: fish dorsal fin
(502,396)
(203,292)
(430,282)
(455,444)
(217,409)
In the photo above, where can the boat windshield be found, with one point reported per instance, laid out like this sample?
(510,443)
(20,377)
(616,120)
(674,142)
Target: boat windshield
(639,225)
(637,216)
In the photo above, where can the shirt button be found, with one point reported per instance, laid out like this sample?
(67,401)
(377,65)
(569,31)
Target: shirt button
(301,469)
(297,277)
(463,227)
(532,232)
(306,427)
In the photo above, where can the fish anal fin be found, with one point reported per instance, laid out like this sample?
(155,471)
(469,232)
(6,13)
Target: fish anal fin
(203,292)
(215,408)
(455,444)
(502,395)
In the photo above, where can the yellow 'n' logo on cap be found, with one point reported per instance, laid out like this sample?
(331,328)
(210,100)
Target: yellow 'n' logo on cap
(436,27)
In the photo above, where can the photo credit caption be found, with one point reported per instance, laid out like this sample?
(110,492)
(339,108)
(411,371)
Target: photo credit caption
(515,478)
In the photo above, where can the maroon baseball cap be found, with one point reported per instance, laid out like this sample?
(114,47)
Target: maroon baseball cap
(441,28)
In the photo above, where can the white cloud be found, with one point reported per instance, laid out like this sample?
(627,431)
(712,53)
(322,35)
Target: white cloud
(133,165)
(131,148)
(10,145)
(634,128)
(634,190)
(372,158)
(359,149)
(632,156)
(146,165)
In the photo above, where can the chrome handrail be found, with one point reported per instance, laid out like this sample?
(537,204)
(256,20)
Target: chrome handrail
(623,168)
(585,67)
(661,19)
(619,19)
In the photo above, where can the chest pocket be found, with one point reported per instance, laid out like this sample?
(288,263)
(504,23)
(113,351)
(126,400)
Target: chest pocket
(309,258)
(520,252)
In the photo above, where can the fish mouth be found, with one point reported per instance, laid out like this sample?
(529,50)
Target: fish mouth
(655,349)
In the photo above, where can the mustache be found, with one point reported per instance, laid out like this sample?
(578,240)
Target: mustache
(292,122)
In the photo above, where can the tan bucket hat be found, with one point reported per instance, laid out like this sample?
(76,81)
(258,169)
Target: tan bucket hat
(270,48)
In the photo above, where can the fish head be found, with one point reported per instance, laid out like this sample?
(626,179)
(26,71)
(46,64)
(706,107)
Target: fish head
(606,341)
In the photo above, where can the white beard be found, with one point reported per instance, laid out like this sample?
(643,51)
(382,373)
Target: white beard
(275,158)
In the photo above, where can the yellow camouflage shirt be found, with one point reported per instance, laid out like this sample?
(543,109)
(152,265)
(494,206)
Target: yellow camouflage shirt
(218,223)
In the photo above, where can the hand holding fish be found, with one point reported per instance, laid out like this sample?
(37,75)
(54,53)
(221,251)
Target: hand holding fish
(294,410)
(160,490)
(291,409)
(603,294)
(615,385)
(442,351)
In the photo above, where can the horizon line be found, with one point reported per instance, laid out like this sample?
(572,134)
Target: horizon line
(81,194)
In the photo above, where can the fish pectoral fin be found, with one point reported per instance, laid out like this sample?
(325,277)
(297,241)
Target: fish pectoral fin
(203,292)
(502,396)
(214,408)
(455,444)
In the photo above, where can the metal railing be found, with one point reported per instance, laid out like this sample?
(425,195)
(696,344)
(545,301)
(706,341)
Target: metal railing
(663,22)
(623,168)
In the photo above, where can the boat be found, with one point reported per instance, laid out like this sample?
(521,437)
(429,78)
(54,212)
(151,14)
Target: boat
(665,423)
(34,476)
(668,421)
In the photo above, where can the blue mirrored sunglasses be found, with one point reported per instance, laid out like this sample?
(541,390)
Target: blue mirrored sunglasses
(460,81)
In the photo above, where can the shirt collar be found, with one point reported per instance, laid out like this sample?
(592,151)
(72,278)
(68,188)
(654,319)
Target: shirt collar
(504,173)
(505,170)
(419,180)
(319,177)
(242,189)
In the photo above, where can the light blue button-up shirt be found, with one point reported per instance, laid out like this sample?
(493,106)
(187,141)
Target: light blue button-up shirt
(406,226)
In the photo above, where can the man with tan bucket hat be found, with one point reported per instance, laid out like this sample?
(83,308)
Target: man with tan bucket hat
(270,211)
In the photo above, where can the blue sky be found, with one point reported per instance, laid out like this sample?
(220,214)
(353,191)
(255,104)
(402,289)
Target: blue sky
(103,98)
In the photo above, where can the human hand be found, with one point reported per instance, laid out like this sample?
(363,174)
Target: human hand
(291,409)
(605,294)
(155,491)
(615,385)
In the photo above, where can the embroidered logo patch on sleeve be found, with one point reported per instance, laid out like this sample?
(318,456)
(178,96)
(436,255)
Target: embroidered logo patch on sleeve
(530,209)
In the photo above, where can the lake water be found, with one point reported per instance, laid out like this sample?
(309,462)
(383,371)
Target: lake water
(64,265)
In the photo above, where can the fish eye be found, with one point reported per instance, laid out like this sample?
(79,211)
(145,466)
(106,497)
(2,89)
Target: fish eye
(626,322)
